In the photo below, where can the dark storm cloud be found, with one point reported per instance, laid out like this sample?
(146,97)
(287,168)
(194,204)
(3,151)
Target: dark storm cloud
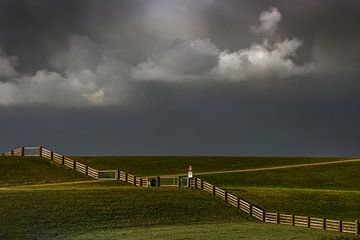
(99,56)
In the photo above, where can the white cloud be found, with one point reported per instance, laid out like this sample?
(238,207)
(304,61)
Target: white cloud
(84,78)
(7,65)
(89,74)
(201,59)
(180,60)
(261,61)
(269,21)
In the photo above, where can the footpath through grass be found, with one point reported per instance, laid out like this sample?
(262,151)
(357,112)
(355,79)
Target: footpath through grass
(163,165)
(109,210)
(34,170)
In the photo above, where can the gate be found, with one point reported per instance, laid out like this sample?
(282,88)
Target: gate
(32,151)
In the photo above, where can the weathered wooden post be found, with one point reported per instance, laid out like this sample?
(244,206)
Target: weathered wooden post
(308,221)
(226,196)
(86,170)
(74,165)
(158,181)
(23,151)
(134,180)
(179,181)
(126,177)
(278,218)
(140,182)
(324,223)
(40,151)
(63,160)
(293,220)
(340,226)
(357,223)
(117,174)
(238,202)
(213,190)
(263,215)
(12,152)
(52,156)
(251,209)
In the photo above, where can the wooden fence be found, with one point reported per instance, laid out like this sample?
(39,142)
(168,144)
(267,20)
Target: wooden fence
(278,218)
(235,201)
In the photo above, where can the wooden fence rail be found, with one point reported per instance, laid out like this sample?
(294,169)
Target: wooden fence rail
(279,218)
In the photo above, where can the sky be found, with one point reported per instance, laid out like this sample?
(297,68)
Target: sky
(181,77)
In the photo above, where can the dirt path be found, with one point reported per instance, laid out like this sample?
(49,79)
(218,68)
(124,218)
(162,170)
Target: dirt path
(48,184)
(267,168)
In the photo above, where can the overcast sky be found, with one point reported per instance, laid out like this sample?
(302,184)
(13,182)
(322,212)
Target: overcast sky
(181,77)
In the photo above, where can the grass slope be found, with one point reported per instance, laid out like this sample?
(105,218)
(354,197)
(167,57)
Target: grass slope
(108,210)
(162,165)
(330,191)
(342,176)
(33,170)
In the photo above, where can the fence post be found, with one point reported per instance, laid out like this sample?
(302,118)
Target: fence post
(357,227)
(213,190)
(140,182)
(63,160)
(195,179)
(308,221)
(23,151)
(86,170)
(74,165)
(40,151)
(179,181)
(12,152)
(117,174)
(324,225)
(293,220)
(202,184)
(52,156)
(238,202)
(250,210)
(226,197)
(134,180)
(278,218)
(158,181)
(340,226)
(263,215)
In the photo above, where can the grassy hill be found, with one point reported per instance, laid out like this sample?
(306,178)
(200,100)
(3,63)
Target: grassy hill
(112,210)
(162,165)
(330,191)
(109,210)
(34,170)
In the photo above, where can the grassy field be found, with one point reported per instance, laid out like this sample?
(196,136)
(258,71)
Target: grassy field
(33,170)
(162,165)
(330,191)
(109,210)
(112,210)
(342,176)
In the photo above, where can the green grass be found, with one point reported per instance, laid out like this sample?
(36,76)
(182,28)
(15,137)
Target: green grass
(333,204)
(330,191)
(162,165)
(108,210)
(230,231)
(342,176)
(34,170)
